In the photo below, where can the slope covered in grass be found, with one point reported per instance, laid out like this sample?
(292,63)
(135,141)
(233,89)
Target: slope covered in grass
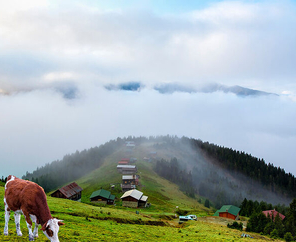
(163,195)
(87,223)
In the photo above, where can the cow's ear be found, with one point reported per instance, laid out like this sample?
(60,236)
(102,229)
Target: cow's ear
(60,223)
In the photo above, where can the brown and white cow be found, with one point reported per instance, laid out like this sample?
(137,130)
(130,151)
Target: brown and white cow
(29,199)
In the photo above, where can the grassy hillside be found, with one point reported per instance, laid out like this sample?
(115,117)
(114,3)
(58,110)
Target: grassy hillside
(89,223)
(163,195)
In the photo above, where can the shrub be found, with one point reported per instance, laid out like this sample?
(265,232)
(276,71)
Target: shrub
(181,212)
(235,225)
(274,234)
(288,237)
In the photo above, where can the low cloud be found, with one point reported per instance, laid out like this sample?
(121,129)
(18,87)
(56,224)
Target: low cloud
(41,126)
(60,65)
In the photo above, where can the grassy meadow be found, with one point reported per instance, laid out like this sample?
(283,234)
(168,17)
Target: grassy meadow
(84,222)
(87,222)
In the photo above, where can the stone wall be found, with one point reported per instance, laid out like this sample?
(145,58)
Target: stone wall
(130,204)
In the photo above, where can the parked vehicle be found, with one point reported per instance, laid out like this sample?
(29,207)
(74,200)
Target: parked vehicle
(193,216)
(183,219)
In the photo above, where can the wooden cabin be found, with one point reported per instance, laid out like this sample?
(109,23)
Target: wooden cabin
(130,179)
(127,187)
(127,169)
(134,199)
(228,211)
(72,192)
(102,196)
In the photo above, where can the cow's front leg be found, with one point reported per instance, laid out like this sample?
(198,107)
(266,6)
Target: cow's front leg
(35,232)
(7,216)
(17,219)
(29,225)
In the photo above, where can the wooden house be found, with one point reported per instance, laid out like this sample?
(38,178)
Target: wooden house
(134,199)
(127,169)
(130,179)
(143,201)
(71,191)
(102,196)
(228,211)
(127,187)
(272,214)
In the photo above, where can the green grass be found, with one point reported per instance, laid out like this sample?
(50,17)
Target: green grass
(86,222)
(163,195)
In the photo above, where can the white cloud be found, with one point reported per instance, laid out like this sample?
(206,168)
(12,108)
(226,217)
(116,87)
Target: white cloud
(232,43)
(59,76)
(229,42)
(40,126)
(15,6)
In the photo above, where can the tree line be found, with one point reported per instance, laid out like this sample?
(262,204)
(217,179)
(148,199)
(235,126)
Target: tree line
(205,175)
(172,171)
(72,166)
(276,227)
(275,179)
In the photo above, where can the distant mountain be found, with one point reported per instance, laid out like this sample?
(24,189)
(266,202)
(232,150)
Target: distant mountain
(170,88)
(238,90)
(126,86)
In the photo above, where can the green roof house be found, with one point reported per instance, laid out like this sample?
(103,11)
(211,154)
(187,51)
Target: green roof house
(228,211)
(102,196)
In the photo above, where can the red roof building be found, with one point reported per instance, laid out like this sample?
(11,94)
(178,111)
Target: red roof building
(273,213)
(71,191)
(124,161)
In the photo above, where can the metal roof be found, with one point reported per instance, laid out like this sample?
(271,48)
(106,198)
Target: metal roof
(228,208)
(128,177)
(126,166)
(133,193)
(144,198)
(273,213)
(101,193)
(70,190)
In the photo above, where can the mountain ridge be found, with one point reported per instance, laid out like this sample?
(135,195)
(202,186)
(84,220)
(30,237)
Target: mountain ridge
(214,171)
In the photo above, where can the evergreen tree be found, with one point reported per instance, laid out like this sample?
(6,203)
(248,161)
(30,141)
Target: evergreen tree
(290,224)
(207,203)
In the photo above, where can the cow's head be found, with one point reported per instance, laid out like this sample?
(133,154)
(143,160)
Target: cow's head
(51,229)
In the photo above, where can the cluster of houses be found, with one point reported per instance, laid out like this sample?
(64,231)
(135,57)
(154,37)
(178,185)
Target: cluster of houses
(131,197)
(232,212)
(130,180)
(129,177)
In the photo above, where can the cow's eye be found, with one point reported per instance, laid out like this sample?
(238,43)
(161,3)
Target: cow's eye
(49,232)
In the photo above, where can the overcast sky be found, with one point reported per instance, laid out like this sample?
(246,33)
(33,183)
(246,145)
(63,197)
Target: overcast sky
(65,65)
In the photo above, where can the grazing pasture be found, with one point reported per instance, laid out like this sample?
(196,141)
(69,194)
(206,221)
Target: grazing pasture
(87,223)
